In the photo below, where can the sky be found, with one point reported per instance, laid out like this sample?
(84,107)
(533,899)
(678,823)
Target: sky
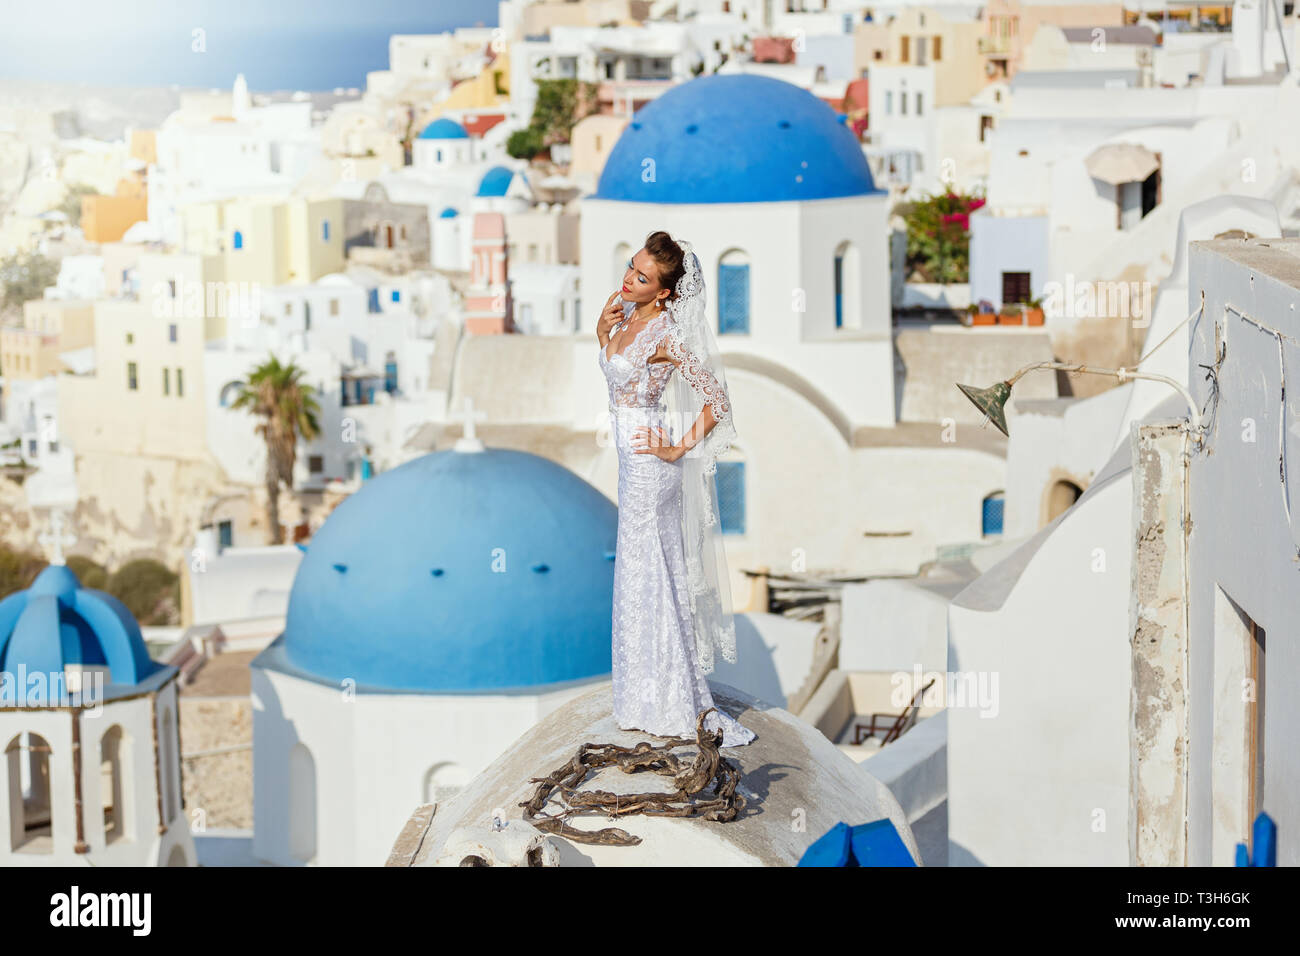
(276,44)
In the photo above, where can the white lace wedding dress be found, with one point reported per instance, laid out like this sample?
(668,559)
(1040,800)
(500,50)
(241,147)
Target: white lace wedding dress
(658,684)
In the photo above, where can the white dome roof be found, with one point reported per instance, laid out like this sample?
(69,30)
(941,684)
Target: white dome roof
(789,766)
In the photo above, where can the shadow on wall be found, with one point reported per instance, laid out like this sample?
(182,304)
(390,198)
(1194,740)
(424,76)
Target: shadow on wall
(755,670)
(296,806)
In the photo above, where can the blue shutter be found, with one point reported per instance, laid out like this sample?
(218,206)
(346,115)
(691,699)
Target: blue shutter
(390,376)
(239,239)
(325,230)
(729,486)
(992,516)
(227,535)
(733,299)
(373,303)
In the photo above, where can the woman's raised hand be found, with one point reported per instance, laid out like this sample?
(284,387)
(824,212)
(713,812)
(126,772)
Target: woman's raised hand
(613,312)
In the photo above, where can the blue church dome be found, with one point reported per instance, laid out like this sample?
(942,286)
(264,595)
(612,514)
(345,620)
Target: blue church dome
(57,622)
(495,181)
(448,213)
(457,572)
(735,138)
(444,128)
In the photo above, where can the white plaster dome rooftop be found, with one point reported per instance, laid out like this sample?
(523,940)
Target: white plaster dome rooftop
(790,767)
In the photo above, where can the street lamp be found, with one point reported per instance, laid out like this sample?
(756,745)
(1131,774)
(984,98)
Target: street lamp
(992,401)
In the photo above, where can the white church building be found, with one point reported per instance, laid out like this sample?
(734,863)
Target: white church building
(90,730)
(439,613)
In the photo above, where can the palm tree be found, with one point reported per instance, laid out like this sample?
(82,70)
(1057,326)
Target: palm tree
(288,411)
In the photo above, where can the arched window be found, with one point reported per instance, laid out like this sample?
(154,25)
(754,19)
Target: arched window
(1061,496)
(239,239)
(733,293)
(27,756)
(115,784)
(229,392)
(729,486)
(622,253)
(991,517)
(848,289)
(302,804)
(443,781)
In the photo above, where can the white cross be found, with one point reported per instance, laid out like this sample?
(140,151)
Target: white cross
(54,539)
(470,440)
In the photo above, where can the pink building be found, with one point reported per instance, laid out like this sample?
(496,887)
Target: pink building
(487,305)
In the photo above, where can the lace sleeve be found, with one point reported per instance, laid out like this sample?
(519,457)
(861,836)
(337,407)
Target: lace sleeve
(697,375)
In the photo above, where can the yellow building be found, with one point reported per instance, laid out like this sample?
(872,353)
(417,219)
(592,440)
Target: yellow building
(592,140)
(50,326)
(488,91)
(137,424)
(107,218)
(923,36)
(268,241)
(143,145)
(145,396)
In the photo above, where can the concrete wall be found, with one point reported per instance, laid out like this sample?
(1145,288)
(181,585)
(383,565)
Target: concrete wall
(1244,543)
(1045,780)
(890,625)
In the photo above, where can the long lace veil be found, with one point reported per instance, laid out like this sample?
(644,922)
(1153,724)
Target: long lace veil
(706,557)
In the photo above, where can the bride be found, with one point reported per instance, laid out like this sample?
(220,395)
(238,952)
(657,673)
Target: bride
(671,594)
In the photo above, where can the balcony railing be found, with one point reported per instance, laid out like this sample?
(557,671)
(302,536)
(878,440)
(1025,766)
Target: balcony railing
(993,46)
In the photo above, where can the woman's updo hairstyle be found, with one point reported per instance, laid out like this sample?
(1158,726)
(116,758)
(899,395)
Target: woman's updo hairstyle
(670,259)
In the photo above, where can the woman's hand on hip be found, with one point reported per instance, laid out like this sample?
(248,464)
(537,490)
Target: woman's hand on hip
(655,441)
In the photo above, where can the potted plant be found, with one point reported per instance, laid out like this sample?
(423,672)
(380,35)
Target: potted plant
(1035,315)
(1012,313)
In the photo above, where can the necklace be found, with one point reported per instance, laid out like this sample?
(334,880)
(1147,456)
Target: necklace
(622,327)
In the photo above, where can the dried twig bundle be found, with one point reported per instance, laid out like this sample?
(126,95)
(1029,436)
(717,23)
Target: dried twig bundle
(690,779)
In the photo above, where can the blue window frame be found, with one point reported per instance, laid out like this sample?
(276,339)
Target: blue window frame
(325,230)
(372,302)
(729,485)
(239,239)
(991,519)
(390,376)
(839,292)
(733,299)
(397,295)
